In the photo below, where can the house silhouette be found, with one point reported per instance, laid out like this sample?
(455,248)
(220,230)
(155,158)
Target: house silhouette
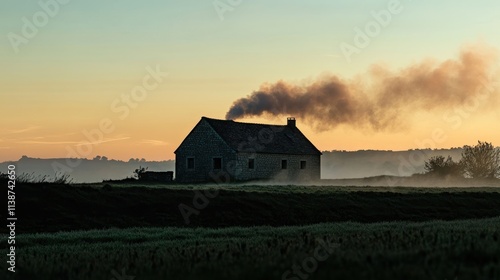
(225,150)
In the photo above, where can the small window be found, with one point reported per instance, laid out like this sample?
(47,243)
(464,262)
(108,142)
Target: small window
(190,163)
(217,163)
(251,163)
(284,164)
(303,164)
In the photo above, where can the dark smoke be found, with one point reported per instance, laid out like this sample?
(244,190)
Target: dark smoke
(383,100)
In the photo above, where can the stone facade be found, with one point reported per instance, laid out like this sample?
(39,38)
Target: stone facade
(206,153)
(202,145)
(269,166)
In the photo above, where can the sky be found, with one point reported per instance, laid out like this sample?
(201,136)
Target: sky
(130,79)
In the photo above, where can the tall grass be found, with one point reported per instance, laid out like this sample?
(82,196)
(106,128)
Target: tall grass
(398,250)
(32,178)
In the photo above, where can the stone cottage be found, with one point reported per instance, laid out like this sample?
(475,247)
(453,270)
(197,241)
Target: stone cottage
(225,150)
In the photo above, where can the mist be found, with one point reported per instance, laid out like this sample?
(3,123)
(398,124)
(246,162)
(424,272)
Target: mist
(381,99)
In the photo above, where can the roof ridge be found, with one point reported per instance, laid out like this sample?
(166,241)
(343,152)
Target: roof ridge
(243,122)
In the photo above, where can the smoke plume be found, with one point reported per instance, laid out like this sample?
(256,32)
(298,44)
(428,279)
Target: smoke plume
(382,99)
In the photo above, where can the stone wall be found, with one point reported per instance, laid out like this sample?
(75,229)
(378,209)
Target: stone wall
(268,166)
(203,144)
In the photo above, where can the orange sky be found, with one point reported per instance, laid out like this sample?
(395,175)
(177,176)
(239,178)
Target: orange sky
(76,73)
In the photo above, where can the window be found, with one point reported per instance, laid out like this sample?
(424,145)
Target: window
(302,164)
(251,163)
(190,163)
(284,164)
(217,163)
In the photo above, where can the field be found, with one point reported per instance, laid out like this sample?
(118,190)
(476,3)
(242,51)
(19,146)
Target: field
(396,250)
(120,231)
(52,208)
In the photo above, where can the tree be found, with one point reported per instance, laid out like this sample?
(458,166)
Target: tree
(481,161)
(440,166)
(434,164)
(139,172)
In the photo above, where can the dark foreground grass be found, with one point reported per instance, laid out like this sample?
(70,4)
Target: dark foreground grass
(397,250)
(52,208)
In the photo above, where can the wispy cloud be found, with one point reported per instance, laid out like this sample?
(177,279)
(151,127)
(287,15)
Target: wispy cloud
(46,137)
(103,141)
(59,135)
(76,143)
(154,142)
(48,142)
(22,130)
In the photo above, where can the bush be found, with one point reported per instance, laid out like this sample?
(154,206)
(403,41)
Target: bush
(440,166)
(139,172)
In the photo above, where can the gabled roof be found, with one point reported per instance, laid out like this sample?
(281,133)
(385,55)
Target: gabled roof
(285,139)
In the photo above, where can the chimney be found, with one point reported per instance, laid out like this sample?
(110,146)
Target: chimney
(290,122)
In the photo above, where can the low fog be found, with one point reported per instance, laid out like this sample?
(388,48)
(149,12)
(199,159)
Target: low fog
(334,165)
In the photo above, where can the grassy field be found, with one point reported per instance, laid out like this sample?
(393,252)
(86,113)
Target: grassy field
(113,231)
(396,250)
(52,208)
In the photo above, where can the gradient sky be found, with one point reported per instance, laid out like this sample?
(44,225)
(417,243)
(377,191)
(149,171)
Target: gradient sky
(65,79)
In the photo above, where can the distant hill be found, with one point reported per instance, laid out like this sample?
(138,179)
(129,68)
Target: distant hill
(87,171)
(368,163)
(334,165)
